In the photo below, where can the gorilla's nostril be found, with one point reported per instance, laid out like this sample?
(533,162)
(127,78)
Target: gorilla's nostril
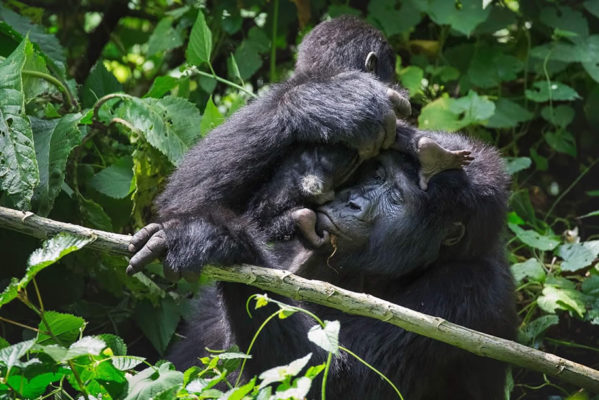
(353,205)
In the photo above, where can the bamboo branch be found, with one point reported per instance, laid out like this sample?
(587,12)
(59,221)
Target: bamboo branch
(323,293)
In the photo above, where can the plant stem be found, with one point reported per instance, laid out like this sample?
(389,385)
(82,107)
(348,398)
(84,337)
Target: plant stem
(49,78)
(225,81)
(273,42)
(323,388)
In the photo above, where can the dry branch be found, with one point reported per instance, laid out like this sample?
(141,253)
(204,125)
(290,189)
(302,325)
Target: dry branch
(289,285)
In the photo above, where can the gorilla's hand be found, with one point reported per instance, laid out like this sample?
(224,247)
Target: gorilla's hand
(148,244)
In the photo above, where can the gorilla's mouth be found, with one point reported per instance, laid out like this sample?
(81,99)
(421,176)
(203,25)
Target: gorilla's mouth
(324,222)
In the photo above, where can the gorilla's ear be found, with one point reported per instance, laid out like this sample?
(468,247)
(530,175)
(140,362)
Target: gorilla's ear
(370,63)
(454,234)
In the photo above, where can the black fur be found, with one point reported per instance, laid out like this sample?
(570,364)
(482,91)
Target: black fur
(389,238)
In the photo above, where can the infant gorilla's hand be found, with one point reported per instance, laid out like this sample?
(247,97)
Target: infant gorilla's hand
(385,137)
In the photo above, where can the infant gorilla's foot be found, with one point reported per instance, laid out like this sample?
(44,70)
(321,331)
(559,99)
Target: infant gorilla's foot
(305,220)
(434,159)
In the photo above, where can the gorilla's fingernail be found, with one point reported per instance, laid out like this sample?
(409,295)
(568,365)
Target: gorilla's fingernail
(131,248)
(130,270)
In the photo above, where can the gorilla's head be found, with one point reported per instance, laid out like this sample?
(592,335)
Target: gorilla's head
(384,223)
(343,44)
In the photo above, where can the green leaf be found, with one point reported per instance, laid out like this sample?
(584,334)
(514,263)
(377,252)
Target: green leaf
(211,118)
(161,86)
(65,327)
(592,6)
(337,10)
(200,42)
(279,374)
(10,356)
(169,124)
(530,268)
(517,164)
(248,60)
(411,78)
(529,332)
(534,239)
(577,255)
(207,84)
(565,19)
(392,21)
(453,114)
(54,141)
(164,37)
(560,116)
(125,363)
(463,19)
(562,141)
(152,381)
(508,114)
(115,180)
(554,299)
(18,166)
(590,286)
(94,215)
(158,323)
(298,390)
(99,83)
(239,392)
(49,44)
(490,66)
(326,338)
(556,91)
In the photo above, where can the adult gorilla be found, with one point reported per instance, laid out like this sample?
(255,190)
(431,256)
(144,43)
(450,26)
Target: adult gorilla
(437,251)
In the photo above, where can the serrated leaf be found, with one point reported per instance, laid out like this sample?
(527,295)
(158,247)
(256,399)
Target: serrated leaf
(169,124)
(87,345)
(211,118)
(161,86)
(516,164)
(11,355)
(65,327)
(248,60)
(556,91)
(534,239)
(52,250)
(54,141)
(115,180)
(326,338)
(530,268)
(18,165)
(200,42)
(125,363)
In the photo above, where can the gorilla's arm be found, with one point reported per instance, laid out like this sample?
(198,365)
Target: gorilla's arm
(228,166)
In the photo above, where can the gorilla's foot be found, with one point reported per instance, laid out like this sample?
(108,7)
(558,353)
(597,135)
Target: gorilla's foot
(434,159)
(305,220)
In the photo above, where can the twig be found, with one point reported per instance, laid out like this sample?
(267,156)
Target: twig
(323,293)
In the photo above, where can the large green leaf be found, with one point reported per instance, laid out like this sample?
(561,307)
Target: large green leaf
(158,323)
(530,268)
(578,255)
(490,65)
(385,15)
(556,91)
(211,118)
(51,251)
(18,166)
(64,327)
(164,37)
(565,19)
(200,42)
(508,114)
(463,19)
(115,180)
(171,124)
(535,239)
(327,338)
(99,83)
(54,141)
(452,114)
(554,298)
(152,381)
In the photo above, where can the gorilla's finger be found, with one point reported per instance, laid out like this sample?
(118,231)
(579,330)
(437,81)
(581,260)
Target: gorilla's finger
(170,274)
(142,236)
(390,131)
(401,105)
(153,249)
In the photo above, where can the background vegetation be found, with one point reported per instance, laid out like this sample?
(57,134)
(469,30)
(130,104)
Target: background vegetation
(521,75)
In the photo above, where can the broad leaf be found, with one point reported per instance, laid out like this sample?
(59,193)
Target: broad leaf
(64,327)
(535,239)
(164,37)
(554,298)
(158,323)
(18,166)
(560,116)
(530,331)
(116,180)
(99,83)
(279,374)
(556,91)
(54,141)
(11,355)
(516,164)
(463,19)
(327,338)
(152,381)
(211,118)
(562,141)
(530,268)
(578,255)
(508,114)
(200,42)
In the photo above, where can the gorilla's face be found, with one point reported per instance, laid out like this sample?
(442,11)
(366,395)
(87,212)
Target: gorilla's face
(382,222)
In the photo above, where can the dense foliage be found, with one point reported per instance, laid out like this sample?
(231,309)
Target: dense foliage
(99,100)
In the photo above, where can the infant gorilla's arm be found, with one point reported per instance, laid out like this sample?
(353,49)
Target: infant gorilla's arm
(234,161)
